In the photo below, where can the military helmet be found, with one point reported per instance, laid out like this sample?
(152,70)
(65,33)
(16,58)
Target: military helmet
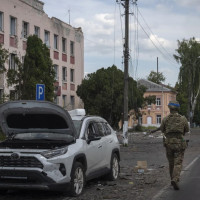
(174,105)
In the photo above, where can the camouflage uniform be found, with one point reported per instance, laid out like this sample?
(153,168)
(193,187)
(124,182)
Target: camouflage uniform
(174,126)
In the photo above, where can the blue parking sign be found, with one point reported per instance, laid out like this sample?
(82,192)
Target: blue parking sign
(40,92)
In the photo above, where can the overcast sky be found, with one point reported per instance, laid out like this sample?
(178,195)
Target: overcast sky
(160,24)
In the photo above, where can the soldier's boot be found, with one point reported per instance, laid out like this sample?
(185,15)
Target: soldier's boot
(175,184)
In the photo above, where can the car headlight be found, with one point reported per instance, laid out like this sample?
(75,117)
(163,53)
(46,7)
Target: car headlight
(54,153)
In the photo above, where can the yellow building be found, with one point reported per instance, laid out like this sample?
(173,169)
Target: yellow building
(153,114)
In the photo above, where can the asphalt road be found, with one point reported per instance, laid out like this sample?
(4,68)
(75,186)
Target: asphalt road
(189,184)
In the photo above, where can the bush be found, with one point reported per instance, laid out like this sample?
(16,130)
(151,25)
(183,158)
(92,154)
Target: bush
(140,128)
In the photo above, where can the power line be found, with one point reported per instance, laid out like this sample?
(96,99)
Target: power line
(155,44)
(161,52)
(154,34)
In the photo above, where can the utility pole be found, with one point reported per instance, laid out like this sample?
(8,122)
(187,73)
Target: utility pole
(126,67)
(157,69)
(126,76)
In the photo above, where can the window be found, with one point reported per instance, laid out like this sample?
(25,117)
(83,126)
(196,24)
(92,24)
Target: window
(13,23)
(140,120)
(158,119)
(71,48)
(72,75)
(64,73)
(90,131)
(64,97)
(107,129)
(55,41)
(56,71)
(1,21)
(72,101)
(56,100)
(100,129)
(46,38)
(37,31)
(158,101)
(25,27)
(64,45)
(12,64)
(13,95)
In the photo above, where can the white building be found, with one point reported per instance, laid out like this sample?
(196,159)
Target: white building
(21,18)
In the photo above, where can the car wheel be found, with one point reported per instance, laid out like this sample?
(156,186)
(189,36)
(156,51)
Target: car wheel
(114,170)
(77,179)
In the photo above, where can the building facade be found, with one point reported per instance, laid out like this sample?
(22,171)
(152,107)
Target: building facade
(21,18)
(153,114)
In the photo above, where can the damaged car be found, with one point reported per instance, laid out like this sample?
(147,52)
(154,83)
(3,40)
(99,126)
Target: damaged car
(49,148)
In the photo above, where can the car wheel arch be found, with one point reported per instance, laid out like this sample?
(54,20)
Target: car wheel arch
(116,151)
(81,158)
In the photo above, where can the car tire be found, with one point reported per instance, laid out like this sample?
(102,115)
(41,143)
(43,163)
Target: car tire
(77,179)
(114,167)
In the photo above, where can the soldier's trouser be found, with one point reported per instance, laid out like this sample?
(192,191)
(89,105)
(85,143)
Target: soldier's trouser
(175,158)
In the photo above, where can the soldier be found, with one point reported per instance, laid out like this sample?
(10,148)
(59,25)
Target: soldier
(174,127)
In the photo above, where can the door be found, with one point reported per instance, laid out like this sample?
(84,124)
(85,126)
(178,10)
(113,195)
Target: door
(94,149)
(149,120)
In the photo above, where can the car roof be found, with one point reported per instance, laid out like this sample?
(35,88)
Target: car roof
(79,115)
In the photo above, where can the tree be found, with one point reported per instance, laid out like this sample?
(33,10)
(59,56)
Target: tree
(188,55)
(15,77)
(156,77)
(37,68)
(3,57)
(102,94)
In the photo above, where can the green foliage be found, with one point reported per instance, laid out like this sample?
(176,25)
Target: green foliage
(3,57)
(102,94)
(188,86)
(37,69)
(151,99)
(182,99)
(156,77)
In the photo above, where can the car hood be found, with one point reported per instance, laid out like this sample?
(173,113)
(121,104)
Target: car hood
(34,116)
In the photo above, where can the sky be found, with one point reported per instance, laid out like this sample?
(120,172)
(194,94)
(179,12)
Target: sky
(155,26)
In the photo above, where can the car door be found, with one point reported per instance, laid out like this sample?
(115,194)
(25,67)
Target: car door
(93,149)
(104,142)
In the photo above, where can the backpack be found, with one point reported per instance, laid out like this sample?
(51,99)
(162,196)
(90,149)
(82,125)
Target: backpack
(174,123)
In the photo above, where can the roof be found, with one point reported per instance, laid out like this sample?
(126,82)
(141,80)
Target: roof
(153,87)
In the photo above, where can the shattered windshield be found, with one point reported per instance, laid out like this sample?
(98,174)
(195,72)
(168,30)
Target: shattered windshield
(77,124)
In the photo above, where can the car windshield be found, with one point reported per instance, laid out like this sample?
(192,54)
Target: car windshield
(77,124)
(42,136)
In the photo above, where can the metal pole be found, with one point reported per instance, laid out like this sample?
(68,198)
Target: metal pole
(126,76)
(157,70)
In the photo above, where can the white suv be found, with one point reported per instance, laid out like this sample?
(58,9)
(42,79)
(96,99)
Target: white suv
(45,149)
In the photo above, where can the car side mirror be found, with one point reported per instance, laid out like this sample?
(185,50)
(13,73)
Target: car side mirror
(93,138)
